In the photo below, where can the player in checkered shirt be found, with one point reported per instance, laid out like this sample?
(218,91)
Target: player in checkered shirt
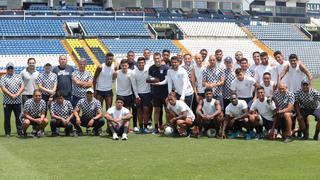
(212,77)
(34,114)
(91,114)
(47,82)
(284,100)
(61,115)
(82,80)
(229,76)
(307,103)
(12,87)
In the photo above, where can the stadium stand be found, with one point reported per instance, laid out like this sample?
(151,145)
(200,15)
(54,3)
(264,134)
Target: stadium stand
(97,49)
(307,51)
(207,29)
(275,31)
(51,28)
(78,51)
(120,47)
(115,28)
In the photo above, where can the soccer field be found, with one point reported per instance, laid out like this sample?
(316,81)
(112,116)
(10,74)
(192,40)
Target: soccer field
(156,157)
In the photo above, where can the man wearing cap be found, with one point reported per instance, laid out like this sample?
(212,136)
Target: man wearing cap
(91,114)
(82,80)
(229,76)
(64,72)
(307,103)
(29,76)
(12,87)
(47,82)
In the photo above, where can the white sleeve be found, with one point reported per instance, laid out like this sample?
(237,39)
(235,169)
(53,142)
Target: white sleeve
(244,105)
(169,81)
(185,80)
(253,106)
(134,83)
(233,85)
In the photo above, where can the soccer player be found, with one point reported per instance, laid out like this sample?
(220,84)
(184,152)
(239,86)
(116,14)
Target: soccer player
(204,54)
(198,70)
(209,112)
(103,78)
(237,117)
(159,90)
(166,57)
(148,57)
(262,109)
(64,72)
(82,80)
(142,93)
(12,87)
(244,65)
(229,76)
(256,60)
(243,86)
(307,103)
(268,85)
(284,100)
(295,73)
(34,111)
(180,114)
(179,81)
(61,115)
(238,56)
(131,60)
(118,118)
(219,55)
(124,83)
(91,114)
(212,77)
(264,67)
(278,56)
(29,76)
(47,83)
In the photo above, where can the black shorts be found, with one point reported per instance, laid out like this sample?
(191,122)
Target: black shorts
(128,100)
(118,129)
(314,112)
(266,123)
(146,99)
(158,101)
(104,94)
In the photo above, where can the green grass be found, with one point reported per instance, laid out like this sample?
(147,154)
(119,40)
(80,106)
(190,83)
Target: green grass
(154,157)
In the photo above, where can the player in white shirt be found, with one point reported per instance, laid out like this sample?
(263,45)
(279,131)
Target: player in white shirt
(262,111)
(179,81)
(148,57)
(118,118)
(219,57)
(243,86)
(204,54)
(264,67)
(295,73)
(142,93)
(103,78)
(124,83)
(179,113)
(268,85)
(209,113)
(281,64)
(256,60)
(198,69)
(237,117)
(238,56)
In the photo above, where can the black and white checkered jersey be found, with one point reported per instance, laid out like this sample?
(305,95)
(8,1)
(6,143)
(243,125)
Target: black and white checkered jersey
(89,109)
(309,100)
(47,81)
(12,83)
(83,76)
(34,109)
(229,76)
(63,110)
(282,100)
(213,75)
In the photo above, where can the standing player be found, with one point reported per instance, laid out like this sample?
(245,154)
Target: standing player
(82,80)
(142,93)
(124,83)
(212,77)
(229,76)
(245,67)
(34,111)
(61,115)
(281,64)
(204,54)
(118,118)
(64,72)
(29,76)
(198,70)
(159,90)
(256,60)
(47,82)
(209,112)
(264,67)
(103,78)
(268,85)
(307,103)
(238,56)
(219,55)
(147,56)
(12,87)
(180,114)
(179,81)
(91,114)
(166,57)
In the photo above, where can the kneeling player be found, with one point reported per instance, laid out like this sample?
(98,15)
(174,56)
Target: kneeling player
(61,115)
(236,118)
(209,112)
(118,118)
(180,114)
(34,114)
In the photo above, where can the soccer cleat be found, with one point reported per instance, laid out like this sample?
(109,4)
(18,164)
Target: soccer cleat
(316,138)
(7,135)
(259,136)
(124,137)
(146,131)
(288,140)
(248,136)
(232,135)
(155,131)
(135,129)
(115,136)
(141,131)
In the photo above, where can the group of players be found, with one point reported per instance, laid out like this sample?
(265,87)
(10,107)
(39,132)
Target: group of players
(199,95)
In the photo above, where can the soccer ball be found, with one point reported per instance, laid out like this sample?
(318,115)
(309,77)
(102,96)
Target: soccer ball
(211,133)
(168,131)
